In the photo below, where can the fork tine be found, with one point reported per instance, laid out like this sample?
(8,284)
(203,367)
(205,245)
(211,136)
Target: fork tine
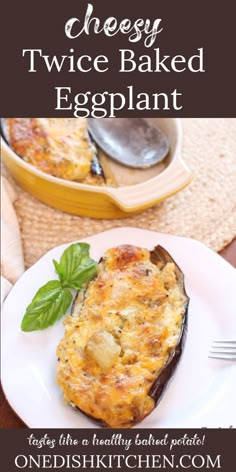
(223,357)
(223,349)
(223,353)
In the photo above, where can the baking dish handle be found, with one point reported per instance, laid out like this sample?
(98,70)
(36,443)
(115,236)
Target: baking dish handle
(137,197)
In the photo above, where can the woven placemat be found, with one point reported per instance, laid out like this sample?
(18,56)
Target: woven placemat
(204,211)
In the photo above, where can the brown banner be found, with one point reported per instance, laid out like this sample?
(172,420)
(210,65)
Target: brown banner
(125,58)
(116,450)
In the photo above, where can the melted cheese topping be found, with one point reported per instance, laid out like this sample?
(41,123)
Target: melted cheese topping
(124,329)
(57,146)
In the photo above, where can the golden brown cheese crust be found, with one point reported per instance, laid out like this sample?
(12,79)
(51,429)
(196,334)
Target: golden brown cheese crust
(121,335)
(57,146)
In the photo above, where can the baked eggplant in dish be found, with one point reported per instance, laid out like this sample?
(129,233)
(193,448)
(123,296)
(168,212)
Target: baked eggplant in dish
(60,147)
(124,336)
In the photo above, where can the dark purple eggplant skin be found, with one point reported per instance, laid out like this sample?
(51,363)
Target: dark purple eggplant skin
(96,168)
(159,256)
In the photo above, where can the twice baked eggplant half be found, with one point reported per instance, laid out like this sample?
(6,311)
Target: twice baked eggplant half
(124,336)
(61,147)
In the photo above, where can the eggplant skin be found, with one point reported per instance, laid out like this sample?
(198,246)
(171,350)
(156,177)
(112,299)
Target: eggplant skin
(124,337)
(160,256)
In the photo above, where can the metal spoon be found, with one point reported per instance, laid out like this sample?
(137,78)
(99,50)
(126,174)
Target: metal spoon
(3,129)
(131,141)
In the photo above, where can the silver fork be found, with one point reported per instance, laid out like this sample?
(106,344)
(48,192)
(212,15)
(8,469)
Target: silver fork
(223,349)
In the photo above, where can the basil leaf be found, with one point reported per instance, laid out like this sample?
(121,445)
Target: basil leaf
(75,267)
(53,299)
(48,305)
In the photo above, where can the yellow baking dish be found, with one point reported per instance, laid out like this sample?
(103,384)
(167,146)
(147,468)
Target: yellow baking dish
(137,190)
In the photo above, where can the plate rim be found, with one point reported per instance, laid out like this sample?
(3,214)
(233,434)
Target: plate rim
(61,247)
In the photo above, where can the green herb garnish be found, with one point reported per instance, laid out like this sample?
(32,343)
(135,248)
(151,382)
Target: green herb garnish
(53,299)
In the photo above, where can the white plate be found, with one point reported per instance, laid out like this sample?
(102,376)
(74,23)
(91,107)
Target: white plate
(202,392)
